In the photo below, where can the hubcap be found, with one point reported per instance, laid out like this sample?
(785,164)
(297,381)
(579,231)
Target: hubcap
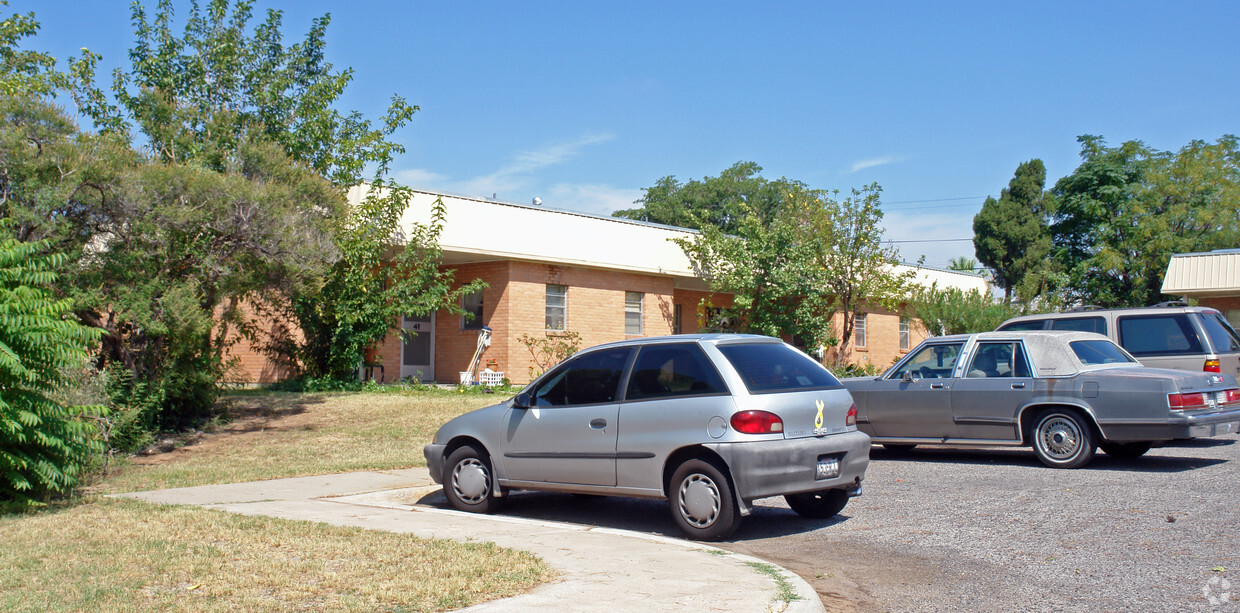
(699,500)
(1059,438)
(470,481)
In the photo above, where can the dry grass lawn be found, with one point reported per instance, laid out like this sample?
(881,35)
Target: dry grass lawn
(100,554)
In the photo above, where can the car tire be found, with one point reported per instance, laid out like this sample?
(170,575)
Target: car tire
(899,447)
(1063,439)
(818,505)
(702,502)
(469,481)
(1125,451)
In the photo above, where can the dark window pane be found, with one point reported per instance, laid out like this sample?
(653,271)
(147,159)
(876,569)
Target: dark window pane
(1019,326)
(1081,324)
(673,370)
(590,379)
(1222,335)
(1099,352)
(771,367)
(1158,335)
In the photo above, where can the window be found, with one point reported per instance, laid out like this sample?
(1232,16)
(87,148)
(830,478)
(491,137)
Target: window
(1004,359)
(472,305)
(932,362)
(1080,324)
(632,312)
(676,319)
(859,330)
(593,378)
(776,367)
(1145,335)
(1092,353)
(1221,334)
(557,306)
(904,333)
(673,370)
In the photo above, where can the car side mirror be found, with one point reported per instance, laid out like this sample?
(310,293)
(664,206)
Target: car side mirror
(522,401)
(907,376)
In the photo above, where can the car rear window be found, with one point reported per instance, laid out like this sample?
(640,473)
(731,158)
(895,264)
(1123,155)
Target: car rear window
(1222,336)
(771,367)
(1093,353)
(1170,334)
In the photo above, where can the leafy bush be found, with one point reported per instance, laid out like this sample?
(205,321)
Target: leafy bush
(44,444)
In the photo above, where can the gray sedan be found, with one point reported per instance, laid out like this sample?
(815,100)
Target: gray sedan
(708,422)
(1063,393)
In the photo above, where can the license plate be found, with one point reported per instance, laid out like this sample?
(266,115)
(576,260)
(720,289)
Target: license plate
(828,468)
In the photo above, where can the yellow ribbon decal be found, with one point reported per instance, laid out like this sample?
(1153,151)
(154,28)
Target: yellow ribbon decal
(818,418)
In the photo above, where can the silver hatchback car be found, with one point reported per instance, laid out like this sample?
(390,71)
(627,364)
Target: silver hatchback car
(708,422)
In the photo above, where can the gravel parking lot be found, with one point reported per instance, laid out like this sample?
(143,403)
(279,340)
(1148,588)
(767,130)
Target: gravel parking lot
(992,529)
(973,529)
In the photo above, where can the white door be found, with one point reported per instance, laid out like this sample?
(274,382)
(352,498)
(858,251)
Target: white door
(417,354)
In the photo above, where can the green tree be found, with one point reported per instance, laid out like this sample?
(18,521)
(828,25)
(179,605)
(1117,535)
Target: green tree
(1119,217)
(725,202)
(963,264)
(1010,234)
(44,445)
(954,311)
(855,268)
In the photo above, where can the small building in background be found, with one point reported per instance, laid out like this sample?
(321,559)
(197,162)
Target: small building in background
(1212,279)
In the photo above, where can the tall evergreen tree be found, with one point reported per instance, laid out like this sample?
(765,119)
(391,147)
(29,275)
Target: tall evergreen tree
(1010,234)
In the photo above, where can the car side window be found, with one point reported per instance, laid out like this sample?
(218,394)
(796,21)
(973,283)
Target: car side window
(1021,326)
(1170,334)
(1081,324)
(673,370)
(932,362)
(1000,359)
(593,378)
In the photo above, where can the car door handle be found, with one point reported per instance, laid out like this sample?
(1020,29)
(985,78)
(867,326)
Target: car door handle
(936,386)
(1018,386)
(598,423)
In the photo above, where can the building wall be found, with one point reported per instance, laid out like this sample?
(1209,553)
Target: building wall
(252,359)
(882,348)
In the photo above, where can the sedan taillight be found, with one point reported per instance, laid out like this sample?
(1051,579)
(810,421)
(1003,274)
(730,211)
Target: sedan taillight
(1232,395)
(851,418)
(757,422)
(1212,366)
(1184,402)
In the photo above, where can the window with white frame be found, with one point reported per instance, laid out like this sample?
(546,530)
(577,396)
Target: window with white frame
(633,312)
(557,306)
(472,304)
(859,330)
(904,332)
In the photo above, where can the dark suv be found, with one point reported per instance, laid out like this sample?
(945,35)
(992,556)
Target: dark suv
(1169,335)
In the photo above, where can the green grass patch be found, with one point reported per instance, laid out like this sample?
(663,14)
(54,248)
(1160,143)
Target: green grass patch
(784,590)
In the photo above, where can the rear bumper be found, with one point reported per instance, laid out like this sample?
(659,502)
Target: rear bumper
(1189,425)
(775,468)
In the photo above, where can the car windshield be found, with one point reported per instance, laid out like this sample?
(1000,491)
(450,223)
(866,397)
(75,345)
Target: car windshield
(1222,336)
(772,367)
(1093,353)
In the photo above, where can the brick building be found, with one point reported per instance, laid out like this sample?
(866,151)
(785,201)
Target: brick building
(550,272)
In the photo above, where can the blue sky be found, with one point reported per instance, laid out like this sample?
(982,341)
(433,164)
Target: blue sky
(583,104)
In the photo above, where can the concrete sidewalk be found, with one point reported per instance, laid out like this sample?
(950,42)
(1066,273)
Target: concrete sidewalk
(600,569)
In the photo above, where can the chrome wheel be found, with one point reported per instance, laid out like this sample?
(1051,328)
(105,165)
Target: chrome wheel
(1063,439)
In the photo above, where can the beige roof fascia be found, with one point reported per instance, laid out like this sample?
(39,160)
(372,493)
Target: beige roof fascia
(1216,273)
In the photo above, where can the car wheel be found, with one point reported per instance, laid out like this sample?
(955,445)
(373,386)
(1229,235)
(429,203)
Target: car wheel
(1125,451)
(702,502)
(469,482)
(818,505)
(898,447)
(1062,439)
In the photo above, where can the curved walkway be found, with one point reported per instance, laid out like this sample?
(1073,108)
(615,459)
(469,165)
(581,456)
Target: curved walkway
(601,569)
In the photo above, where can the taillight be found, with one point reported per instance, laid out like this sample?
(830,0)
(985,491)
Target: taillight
(1183,402)
(1232,395)
(851,418)
(757,422)
(1212,366)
